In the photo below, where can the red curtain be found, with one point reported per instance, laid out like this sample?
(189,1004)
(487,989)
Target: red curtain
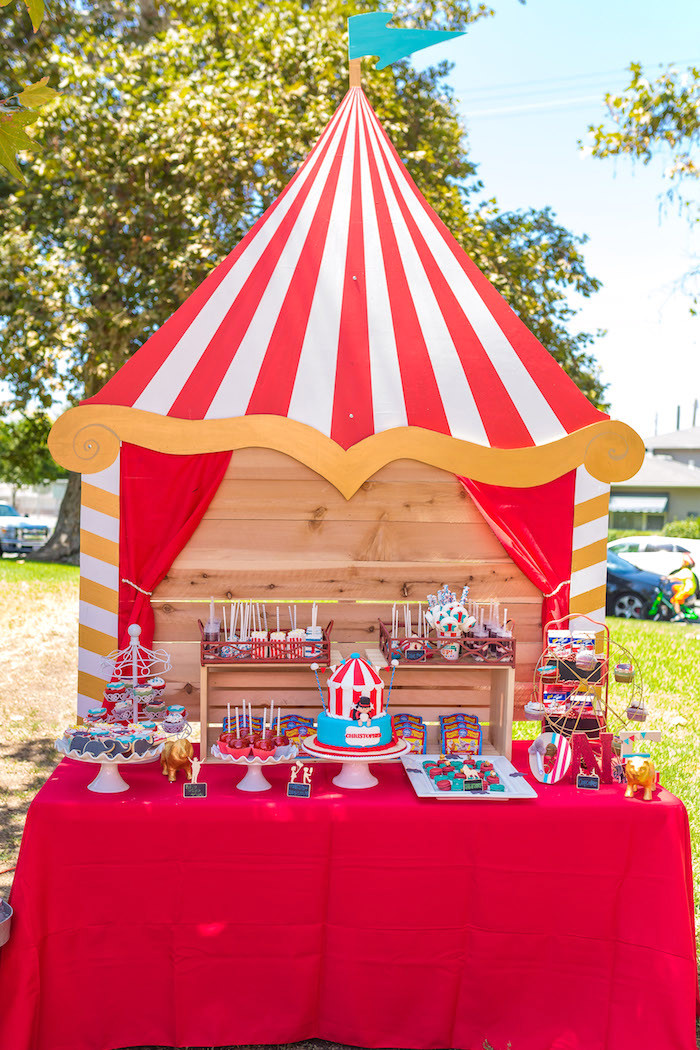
(162,501)
(535,526)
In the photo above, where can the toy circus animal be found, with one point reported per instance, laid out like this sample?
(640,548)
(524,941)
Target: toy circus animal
(640,773)
(176,754)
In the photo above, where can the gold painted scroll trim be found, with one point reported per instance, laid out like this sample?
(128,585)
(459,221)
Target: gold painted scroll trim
(87,439)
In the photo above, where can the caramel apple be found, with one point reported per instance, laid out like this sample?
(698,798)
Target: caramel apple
(263,748)
(281,741)
(239,746)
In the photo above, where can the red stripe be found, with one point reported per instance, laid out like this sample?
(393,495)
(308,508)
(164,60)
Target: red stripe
(275,382)
(421,395)
(353,418)
(199,390)
(570,406)
(502,421)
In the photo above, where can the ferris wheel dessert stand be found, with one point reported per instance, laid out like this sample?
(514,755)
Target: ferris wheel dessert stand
(355,773)
(109,780)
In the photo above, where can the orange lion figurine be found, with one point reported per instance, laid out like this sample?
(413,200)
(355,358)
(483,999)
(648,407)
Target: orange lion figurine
(176,754)
(640,773)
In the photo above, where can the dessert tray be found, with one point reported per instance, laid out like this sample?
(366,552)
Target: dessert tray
(108,780)
(515,784)
(355,772)
(254,780)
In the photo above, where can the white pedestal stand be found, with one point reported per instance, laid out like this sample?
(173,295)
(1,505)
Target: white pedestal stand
(108,780)
(254,779)
(355,773)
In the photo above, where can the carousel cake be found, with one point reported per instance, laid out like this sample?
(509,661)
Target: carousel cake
(355,716)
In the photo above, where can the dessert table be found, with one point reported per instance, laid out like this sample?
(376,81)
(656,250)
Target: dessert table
(371,918)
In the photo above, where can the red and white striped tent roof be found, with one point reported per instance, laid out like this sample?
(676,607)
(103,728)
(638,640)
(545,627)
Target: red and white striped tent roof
(355,672)
(349,307)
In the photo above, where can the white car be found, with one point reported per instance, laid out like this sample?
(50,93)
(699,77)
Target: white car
(662,554)
(19,533)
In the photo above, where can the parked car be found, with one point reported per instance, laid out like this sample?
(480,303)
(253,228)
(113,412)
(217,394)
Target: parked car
(630,591)
(19,533)
(662,554)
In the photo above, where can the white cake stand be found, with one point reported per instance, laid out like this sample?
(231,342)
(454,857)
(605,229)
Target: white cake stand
(355,772)
(108,780)
(254,780)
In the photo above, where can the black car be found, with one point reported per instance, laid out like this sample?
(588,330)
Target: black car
(630,591)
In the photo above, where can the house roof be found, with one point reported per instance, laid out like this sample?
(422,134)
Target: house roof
(662,472)
(688,438)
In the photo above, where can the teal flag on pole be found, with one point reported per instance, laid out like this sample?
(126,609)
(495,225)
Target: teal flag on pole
(370,35)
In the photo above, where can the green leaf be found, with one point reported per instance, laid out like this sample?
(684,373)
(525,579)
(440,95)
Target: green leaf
(36,12)
(37,95)
(35,9)
(14,138)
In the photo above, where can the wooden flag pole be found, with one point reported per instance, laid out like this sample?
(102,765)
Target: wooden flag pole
(355,66)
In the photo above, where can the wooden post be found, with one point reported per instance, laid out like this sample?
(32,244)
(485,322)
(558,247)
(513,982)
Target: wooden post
(355,66)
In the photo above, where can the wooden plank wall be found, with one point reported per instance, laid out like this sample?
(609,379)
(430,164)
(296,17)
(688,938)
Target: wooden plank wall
(276,531)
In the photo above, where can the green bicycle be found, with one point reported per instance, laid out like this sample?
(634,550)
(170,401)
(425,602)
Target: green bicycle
(662,609)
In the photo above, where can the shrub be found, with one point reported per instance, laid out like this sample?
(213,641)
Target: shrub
(686,529)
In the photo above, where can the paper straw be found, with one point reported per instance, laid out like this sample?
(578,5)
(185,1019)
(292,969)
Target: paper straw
(279,719)
(211,610)
(278,617)
(505,618)
(250,714)
(291,618)
(265,617)
(223,617)
(228,718)
(272,704)
(238,728)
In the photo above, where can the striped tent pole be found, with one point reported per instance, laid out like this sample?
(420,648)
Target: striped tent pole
(99,582)
(589,548)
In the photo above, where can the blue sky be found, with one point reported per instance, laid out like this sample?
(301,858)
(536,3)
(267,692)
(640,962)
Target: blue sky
(530,81)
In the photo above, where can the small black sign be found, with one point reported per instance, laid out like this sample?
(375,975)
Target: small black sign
(298,790)
(588,781)
(194,790)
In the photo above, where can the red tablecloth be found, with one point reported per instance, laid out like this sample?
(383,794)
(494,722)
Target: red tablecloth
(371,918)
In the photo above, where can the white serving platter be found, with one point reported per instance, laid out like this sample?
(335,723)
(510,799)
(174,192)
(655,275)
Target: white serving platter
(515,786)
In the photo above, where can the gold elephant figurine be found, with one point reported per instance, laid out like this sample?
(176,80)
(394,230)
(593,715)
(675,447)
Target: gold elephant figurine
(176,754)
(640,773)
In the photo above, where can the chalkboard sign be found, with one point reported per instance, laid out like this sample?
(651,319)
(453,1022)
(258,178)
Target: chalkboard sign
(298,790)
(194,790)
(588,780)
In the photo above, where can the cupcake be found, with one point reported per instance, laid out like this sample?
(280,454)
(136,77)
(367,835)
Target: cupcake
(114,691)
(156,710)
(123,711)
(173,723)
(157,685)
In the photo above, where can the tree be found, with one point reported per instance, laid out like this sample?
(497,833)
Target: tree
(178,124)
(659,117)
(24,456)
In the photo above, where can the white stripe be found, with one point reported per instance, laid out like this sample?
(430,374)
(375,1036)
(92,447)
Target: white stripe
(163,389)
(106,479)
(579,624)
(93,664)
(99,524)
(590,532)
(534,409)
(236,388)
(314,385)
(84,704)
(388,402)
(588,487)
(458,401)
(586,579)
(99,571)
(98,619)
